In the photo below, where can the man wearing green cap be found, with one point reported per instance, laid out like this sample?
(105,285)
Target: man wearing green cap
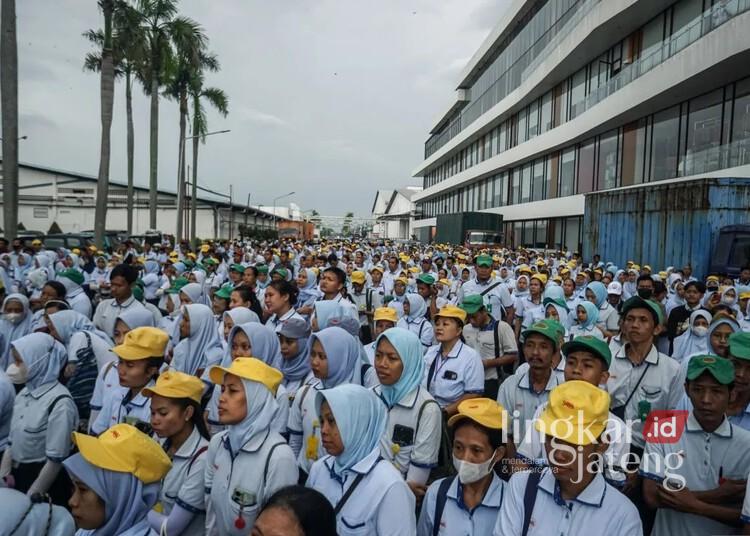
(522,393)
(739,354)
(493,340)
(697,481)
(497,298)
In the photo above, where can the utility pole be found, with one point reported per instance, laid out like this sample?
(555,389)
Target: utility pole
(9,90)
(231,213)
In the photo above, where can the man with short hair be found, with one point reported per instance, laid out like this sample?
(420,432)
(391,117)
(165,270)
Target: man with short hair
(497,298)
(122,279)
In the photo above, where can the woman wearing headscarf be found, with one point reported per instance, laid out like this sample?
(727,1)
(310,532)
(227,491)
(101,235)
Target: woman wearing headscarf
(24,515)
(150,281)
(587,315)
(44,416)
(235,317)
(609,318)
(412,434)
(293,335)
(695,339)
(307,283)
(14,324)
(199,347)
(353,422)
(247,462)
(73,280)
(192,293)
(116,479)
(415,321)
(335,358)
(676,292)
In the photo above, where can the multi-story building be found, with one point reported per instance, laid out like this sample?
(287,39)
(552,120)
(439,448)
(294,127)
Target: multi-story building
(568,97)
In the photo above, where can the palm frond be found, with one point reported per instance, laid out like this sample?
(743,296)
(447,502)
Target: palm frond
(217,98)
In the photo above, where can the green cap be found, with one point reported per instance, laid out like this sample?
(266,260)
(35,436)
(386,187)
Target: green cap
(210,260)
(282,272)
(551,329)
(592,345)
(74,275)
(177,285)
(200,267)
(188,263)
(138,290)
(720,368)
(557,301)
(739,345)
(483,260)
(262,268)
(427,279)
(636,302)
(472,303)
(224,292)
(237,268)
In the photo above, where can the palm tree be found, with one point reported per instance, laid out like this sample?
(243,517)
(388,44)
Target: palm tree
(165,32)
(9,110)
(219,100)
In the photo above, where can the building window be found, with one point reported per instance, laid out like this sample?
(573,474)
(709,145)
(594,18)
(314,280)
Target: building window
(633,153)
(523,127)
(538,181)
(568,172)
(526,183)
(528,234)
(577,92)
(515,194)
(533,119)
(541,234)
(41,212)
(586,167)
(704,134)
(546,113)
(740,149)
(608,168)
(551,173)
(664,144)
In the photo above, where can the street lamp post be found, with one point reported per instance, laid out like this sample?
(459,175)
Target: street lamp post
(275,225)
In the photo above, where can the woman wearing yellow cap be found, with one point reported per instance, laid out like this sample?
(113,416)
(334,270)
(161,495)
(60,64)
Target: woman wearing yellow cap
(469,502)
(384,318)
(248,461)
(176,417)
(115,481)
(530,308)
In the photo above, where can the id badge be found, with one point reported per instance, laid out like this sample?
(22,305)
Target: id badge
(244,498)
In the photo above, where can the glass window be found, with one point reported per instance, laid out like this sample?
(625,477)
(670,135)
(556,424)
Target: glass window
(526,184)
(633,153)
(538,181)
(664,144)
(493,142)
(608,161)
(502,137)
(546,113)
(528,233)
(578,90)
(522,126)
(559,228)
(653,37)
(550,174)
(541,234)
(517,233)
(533,119)
(515,196)
(568,172)
(704,134)
(586,167)
(572,233)
(740,150)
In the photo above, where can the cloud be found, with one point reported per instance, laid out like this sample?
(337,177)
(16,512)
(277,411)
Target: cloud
(261,118)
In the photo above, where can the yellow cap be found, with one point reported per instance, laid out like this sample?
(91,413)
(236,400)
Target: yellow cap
(540,262)
(249,368)
(524,269)
(76,251)
(142,343)
(414,269)
(451,311)
(663,274)
(444,281)
(377,269)
(401,280)
(205,248)
(636,267)
(125,449)
(557,279)
(191,256)
(92,248)
(483,411)
(175,384)
(744,295)
(36,242)
(358,277)
(646,267)
(385,313)
(577,413)
(541,277)
(713,278)
(174,254)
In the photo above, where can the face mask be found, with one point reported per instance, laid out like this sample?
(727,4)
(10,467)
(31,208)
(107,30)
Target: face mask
(16,374)
(471,472)
(700,331)
(645,293)
(730,301)
(13,318)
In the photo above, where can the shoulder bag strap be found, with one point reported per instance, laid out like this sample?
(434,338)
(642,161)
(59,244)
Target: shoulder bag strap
(440,500)
(345,497)
(529,498)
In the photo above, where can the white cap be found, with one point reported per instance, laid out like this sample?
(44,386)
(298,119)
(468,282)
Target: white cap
(614,288)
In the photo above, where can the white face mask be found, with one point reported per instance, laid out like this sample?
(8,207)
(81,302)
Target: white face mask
(13,318)
(730,301)
(700,331)
(469,473)
(16,374)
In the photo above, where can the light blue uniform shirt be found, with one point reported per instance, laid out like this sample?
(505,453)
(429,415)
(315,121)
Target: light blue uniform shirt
(457,519)
(460,372)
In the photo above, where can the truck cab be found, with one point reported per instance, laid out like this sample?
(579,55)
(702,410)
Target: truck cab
(731,251)
(483,239)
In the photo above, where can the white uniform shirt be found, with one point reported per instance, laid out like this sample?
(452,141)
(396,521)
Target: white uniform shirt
(421,327)
(459,373)
(456,518)
(7,401)
(381,504)
(412,435)
(483,341)
(37,433)
(184,484)
(117,409)
(519,399)
(237,488)
(107,312)
(273,322)
(598,505)
(495,300)
(305,425)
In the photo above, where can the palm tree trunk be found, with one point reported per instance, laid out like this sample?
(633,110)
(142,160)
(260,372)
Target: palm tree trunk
(194,196)
(9,110)
(107,103)
(153,182)
(181,168)
(131,146)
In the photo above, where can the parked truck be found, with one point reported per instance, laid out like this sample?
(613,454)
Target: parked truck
(704,222)
(470,229)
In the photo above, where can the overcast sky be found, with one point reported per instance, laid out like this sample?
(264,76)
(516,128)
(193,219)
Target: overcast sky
(330,98)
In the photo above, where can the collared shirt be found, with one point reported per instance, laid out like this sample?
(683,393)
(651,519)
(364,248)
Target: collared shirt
(519,399)
(238,487)
(421,327)
(39,433)
(382,503)
(7,401)
(117,409)
(496,300)
(483,341)
(660,388)
(275,320)
(457,519)
(743,419)
(459,373)
(304,425)
(184,484)
(598,505)
(412,435)
(107,312)
(700,459)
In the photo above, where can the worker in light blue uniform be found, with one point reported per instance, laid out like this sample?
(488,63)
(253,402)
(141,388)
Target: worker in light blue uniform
(469,502)
(247,462)
(414,319)
(369,495)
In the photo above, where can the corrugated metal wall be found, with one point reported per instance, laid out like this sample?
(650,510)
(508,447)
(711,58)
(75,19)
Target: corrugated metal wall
(664,225)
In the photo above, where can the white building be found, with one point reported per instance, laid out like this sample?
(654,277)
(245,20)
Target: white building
(568,97)
(289,212)
(49,195)
(393,211)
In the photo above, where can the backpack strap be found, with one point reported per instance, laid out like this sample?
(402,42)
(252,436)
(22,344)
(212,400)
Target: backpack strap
(268,461)
(421,410)
(432,371)
(362,371)
(440,500)
(529,498)
(54,403)
(196,456)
